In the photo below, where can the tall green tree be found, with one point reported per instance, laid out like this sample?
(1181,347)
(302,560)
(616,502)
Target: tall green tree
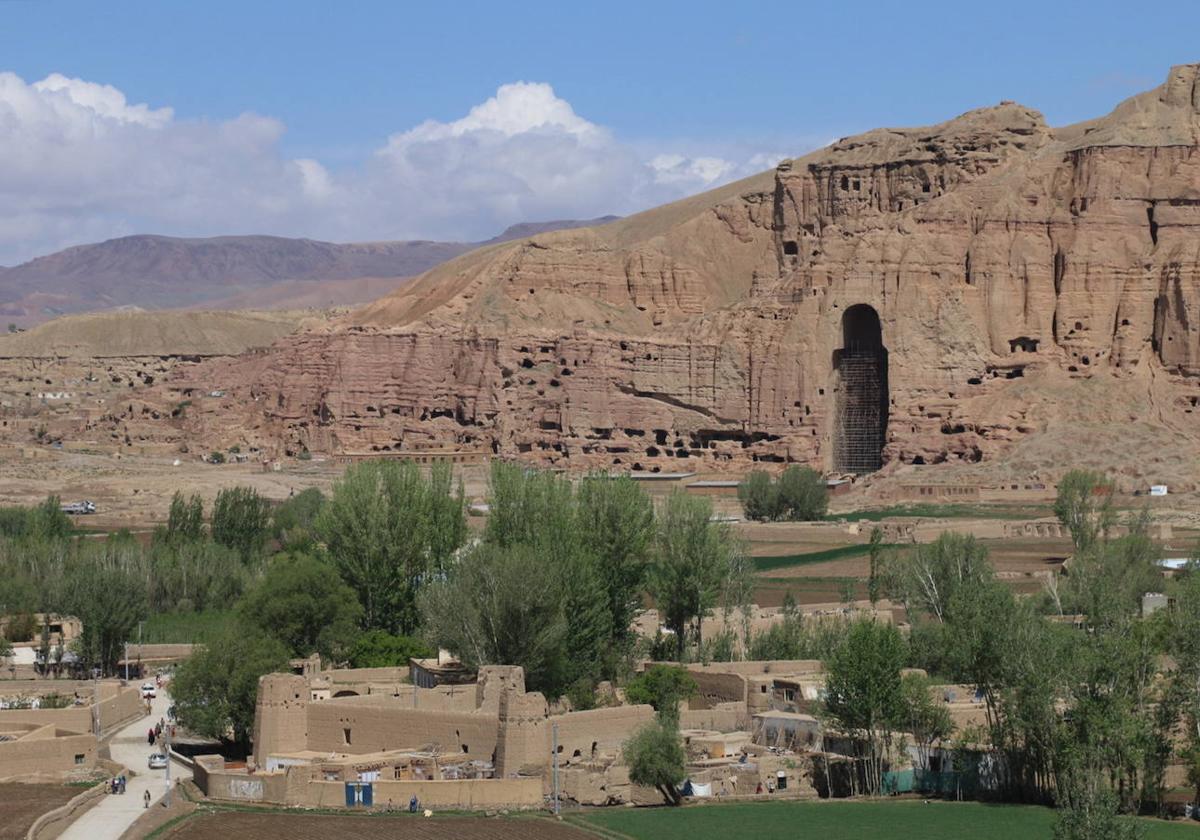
(799,495)
(185,520)
(693,561)
(188,576)
(216,688)
(759,496)
(239,521)
(1084,506)
(294,521)
(922,716)
(501,605)
(615,523)
(588,651)
(303,603)
(928,577)
(44,521)
(864,696)
(109,598)
(803,494)
(1088,810)
(874,573)
(389,531)
(533,508)
(656,759)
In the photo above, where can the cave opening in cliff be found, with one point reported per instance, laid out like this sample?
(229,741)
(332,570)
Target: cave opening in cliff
(862,394)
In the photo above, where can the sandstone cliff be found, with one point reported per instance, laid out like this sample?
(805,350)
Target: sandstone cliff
(939,294)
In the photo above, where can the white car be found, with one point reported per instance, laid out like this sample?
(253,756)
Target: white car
(158,761)
(148,690)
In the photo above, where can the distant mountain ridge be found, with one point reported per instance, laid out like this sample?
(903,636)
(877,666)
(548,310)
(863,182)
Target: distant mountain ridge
(162,272)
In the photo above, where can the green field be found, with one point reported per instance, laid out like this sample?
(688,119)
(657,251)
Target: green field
(900,820)
(785,561)
(932,510)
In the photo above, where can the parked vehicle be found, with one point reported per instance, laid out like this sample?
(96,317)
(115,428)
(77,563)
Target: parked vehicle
(158,761)
(79,508)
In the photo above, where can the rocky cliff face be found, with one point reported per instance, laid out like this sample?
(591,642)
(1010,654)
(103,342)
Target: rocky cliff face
(968,272)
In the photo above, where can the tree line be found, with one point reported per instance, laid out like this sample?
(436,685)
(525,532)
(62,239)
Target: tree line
(382,569)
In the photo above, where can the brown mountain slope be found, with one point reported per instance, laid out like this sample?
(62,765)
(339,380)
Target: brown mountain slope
(905,296)
(270,272)
(133,333)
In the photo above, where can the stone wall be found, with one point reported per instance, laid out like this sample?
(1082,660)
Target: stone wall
(46,751)
(465,794)
(297,787)
(118,705)
(356,728)
(725,717)
(598,731)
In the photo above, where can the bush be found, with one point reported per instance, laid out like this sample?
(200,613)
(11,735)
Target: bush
(45,521)
(21,627)
(216,458)
(800,495)
(294,522)
(662,686)
(759,496)
(803,496)
(381,649)
(303,603)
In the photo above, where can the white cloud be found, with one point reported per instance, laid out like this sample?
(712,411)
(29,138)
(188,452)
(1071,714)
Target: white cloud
(104,100)
(81,163)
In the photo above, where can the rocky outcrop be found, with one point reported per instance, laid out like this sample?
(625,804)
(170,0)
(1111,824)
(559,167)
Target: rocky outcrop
(1000,258)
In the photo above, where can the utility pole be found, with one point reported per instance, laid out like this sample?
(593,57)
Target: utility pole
(167,742)
(127,661)
(554,757)
(96,702)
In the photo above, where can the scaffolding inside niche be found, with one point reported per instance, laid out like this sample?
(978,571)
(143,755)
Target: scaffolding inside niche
(861,409)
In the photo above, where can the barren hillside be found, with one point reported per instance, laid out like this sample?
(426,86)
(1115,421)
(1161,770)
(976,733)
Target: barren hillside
(990,293)
(224,272)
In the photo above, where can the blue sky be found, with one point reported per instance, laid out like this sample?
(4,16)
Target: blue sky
(283,117)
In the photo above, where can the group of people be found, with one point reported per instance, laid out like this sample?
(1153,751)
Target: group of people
(155,733)
(117,785)
(414,805)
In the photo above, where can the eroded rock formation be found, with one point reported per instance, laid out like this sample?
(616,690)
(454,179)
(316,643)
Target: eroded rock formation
(998,254)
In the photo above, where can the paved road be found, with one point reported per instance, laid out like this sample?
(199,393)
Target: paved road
(115,813)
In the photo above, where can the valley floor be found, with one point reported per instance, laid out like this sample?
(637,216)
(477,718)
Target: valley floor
(844,820)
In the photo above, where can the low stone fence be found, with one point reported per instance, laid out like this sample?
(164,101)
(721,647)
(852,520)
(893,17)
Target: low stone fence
(119,705)
(460,794)
(53,823)
(294,787)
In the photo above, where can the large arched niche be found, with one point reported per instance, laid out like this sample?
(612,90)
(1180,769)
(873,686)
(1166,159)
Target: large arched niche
(861,415)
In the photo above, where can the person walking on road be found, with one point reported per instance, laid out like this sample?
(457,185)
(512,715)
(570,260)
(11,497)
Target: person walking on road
(146,799)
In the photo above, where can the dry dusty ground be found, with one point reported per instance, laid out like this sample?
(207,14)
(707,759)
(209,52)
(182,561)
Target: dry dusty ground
(21,804)
(135,491)
(283,826)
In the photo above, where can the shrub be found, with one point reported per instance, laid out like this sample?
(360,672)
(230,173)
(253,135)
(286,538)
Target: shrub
(800,495)
(663,687)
